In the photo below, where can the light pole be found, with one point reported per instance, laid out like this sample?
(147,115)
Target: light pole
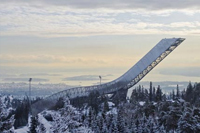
(30,88)
(100,79)
(30,94)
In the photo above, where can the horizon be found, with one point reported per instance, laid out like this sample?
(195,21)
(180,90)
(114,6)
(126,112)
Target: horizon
(46,89)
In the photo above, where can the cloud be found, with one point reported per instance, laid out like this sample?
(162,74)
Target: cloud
(39,74)
(9,59)
(184,24)
(113,4)
(7,75)
(86,78)
(187,71)
(75,18)
(25,80)
(68,61)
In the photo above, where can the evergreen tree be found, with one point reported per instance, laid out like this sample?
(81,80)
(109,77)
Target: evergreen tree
(21,114)
(189,92)
(183,94)
(196,94)
(94,122)
(34,123)
(105,106)
(109,119)
(177,92)
(6,121)
(104,128)
(158,94)
(132,127)
(41,128)
(173,95)
(150,92)
(172,116)
(154,94)
(114,128)
(188,124)
(89,117)
(100,123)
(94,101)
(146,95)
(120,120)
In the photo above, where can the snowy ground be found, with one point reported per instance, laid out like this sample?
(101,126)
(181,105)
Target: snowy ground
(141,103)
(46,124)
(22,130)
(41,120)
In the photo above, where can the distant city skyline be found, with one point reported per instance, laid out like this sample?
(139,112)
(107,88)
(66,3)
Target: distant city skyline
(74,42)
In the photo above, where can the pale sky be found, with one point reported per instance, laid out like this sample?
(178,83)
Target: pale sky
(72,42)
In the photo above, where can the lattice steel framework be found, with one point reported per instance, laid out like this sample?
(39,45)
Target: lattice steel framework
(126,81)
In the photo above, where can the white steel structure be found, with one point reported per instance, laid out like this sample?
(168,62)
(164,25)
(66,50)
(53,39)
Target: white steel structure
(126,81)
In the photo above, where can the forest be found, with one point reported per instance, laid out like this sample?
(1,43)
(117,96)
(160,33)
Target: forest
(147,110)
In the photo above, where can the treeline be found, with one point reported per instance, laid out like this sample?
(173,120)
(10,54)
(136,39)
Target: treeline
(94,101)
(191,94)
(132,118)
(151,94)
(22,112)
(177,112)
(18,109)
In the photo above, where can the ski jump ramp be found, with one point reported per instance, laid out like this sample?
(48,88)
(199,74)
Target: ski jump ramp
(126,81)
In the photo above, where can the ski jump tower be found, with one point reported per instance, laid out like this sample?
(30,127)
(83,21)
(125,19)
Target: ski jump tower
(126,81)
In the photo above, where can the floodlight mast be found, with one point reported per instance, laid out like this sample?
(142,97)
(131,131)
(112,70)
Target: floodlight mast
(30,94)
(30,88)
(100,79)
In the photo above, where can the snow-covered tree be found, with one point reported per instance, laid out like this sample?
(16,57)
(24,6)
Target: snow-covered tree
(6,119)
(41,128)
(188,124)
(67,119)
(34,123)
